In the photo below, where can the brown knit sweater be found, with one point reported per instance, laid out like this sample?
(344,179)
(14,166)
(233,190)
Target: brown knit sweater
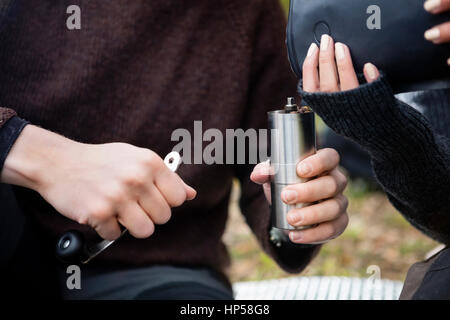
(136,71)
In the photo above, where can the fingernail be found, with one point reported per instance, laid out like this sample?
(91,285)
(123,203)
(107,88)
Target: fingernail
(432,5)
(340,51)
(262,168)
(289,195)
(295,217)
(304,168)
(312,49)
(432,34)
(371,71)
(194,193)
(324,41)
(295,235)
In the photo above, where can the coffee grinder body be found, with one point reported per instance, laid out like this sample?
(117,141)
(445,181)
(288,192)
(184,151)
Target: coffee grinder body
(293,138)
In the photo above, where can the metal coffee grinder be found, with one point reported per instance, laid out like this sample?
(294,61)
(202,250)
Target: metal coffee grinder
(293,138)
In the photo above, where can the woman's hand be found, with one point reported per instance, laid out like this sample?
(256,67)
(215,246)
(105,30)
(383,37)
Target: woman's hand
(329,214)
(441,33)
(330,69)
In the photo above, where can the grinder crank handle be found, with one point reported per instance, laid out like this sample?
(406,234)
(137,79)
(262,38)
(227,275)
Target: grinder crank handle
(72,247)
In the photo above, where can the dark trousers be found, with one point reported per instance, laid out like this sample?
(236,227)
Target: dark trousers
(184,291)
(26,263)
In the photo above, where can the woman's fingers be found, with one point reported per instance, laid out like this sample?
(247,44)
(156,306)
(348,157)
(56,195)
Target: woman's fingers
(310,72)
(437,6)
(327,210)
(261,173)
(439,34)
(328,76)
(314,190)
(347,75)
(321,233)
(330,68)
(323,161)
(371,72)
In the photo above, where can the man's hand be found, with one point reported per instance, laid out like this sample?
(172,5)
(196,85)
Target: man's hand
(330,213)
(98,185)
(441,33)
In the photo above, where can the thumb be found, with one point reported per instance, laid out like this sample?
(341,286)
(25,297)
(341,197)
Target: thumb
(261,173)
(371,72)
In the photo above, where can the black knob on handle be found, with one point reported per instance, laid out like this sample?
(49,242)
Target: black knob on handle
(70,247)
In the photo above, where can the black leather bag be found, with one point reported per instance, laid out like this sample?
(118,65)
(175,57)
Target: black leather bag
(398,47)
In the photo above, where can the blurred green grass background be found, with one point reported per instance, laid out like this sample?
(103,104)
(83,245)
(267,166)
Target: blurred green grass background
(285,5)
(376,235)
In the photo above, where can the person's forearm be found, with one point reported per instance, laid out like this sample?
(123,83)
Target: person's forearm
(101,185)
(410,161)
(419,188)
(35,151)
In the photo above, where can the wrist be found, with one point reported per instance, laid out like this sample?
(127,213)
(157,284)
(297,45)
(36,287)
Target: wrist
(35,155)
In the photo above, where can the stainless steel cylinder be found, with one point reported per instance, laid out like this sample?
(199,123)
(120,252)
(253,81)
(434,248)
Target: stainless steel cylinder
(293,138)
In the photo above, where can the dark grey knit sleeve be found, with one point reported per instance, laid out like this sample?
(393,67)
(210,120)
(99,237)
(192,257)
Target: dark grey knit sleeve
(411,161)
(10,128)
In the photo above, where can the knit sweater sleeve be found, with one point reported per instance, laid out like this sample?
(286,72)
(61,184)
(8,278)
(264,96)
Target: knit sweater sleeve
(5,115)
(10,128)
(410,160)
(271,82)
